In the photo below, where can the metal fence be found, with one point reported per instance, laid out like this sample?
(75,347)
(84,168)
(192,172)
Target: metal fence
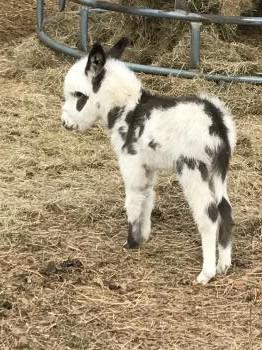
(196,21)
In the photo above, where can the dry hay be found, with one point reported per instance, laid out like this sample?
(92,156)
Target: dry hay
(225,7)
(225,49)
(66,282)
(18,17)
(235,7)
(217,56)
(153,30)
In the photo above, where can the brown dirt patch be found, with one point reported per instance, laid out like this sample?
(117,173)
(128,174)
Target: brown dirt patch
(17,18)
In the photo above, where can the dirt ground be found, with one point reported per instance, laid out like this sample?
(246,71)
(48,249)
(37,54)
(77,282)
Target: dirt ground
(65,280)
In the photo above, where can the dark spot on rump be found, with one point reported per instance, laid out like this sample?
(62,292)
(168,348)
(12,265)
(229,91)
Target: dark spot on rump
(97,80)
(134,235)
(81,101)
(226,224)
(113,115)
(212,212)
(98,105)
(153,144)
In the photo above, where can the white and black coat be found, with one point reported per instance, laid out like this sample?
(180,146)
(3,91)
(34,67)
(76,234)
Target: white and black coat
(192,135)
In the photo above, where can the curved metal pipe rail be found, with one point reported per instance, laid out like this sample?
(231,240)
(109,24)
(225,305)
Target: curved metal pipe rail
(196,20)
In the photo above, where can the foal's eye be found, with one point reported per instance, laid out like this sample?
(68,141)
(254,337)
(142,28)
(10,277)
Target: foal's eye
(79,94)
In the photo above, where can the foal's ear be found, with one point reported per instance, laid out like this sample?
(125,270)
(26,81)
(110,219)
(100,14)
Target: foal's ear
(117,50)
(96,59)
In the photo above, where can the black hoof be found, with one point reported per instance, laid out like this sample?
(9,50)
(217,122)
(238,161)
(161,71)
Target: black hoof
(134,234)
(131,245)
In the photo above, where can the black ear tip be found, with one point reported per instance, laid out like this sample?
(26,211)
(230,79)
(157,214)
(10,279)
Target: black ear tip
(97,46)
(117,50)
(96,58)
(126,41)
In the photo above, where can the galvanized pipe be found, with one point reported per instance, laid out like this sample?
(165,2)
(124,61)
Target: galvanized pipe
(40,14)
(195,57)
(193,73)
(84,29)
(153,69)
(61,4)
(195,44)
(177,14)
(57,46)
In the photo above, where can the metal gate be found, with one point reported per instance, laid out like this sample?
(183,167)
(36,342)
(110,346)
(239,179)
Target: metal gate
(195,20)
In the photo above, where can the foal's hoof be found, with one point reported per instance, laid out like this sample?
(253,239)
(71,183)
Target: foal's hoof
(205,277)
(223,265)
(131,244)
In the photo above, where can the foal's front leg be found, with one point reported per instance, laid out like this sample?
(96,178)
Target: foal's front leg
(134,207)
(139,201)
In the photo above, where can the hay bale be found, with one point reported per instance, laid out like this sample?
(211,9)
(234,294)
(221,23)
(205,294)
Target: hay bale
(217,55)
(152,30)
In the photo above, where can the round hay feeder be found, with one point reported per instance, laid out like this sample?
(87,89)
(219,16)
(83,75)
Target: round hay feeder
(195,20)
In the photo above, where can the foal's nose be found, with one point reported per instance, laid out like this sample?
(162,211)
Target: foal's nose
(67,127)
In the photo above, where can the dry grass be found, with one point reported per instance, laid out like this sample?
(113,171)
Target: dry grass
(18,17)
(225,7)
(227,50)
(66,282)
(153,31)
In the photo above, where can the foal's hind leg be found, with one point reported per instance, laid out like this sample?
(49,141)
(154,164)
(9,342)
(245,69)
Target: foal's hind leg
(205,212)
(225,232)
(148,205)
